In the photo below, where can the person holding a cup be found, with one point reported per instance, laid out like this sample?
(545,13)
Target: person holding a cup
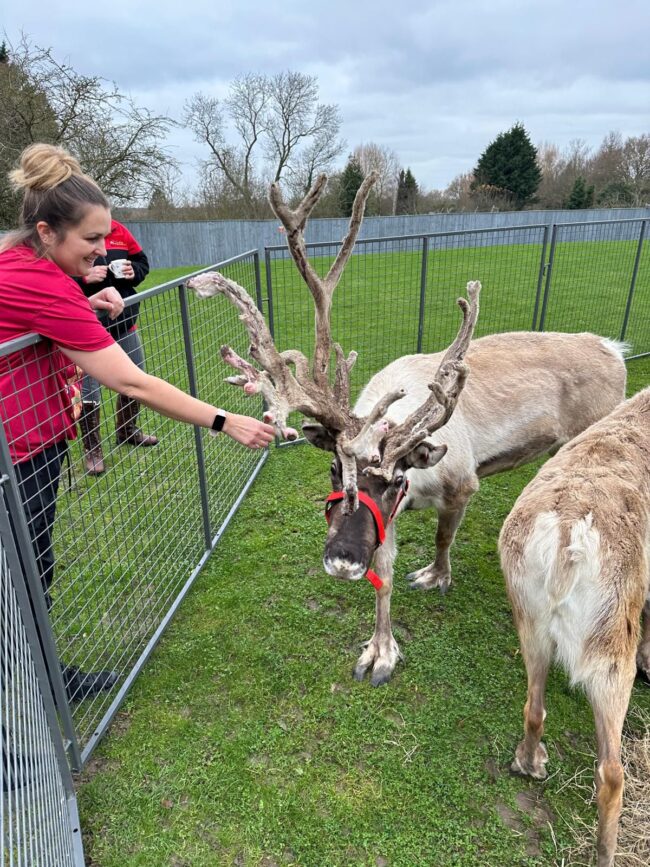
(124,267)
(65,220)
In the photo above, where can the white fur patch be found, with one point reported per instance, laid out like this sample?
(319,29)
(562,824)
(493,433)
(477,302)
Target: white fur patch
(344,568)
(563,599)
(616,347)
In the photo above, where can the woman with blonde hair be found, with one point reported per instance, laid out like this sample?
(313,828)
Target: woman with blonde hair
(64,220)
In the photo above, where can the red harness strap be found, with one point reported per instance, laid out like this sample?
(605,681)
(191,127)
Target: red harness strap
(367,501)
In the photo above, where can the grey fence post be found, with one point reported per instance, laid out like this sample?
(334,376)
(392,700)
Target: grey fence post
(635,271)
(549,273)
(198,440)
(39,608)
(258,281)
(423,290)
(269,291)
(540,278)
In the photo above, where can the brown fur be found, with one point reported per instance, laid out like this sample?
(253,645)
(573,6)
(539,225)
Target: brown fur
(527,393)
(575,553)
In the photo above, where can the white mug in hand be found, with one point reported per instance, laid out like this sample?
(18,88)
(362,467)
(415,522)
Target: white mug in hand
(117,267)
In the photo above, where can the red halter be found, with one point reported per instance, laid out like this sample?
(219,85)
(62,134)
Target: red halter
(367,501)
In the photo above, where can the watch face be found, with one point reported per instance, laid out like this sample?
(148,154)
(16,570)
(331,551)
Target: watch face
(219,421)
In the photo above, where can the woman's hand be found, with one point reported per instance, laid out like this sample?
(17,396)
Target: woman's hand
(97,274)
(107,299)
(248,431)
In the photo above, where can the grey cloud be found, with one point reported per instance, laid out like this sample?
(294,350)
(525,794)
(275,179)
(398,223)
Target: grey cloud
(434,79)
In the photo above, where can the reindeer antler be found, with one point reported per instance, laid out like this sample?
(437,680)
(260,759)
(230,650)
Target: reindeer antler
(287,382)
(285,389)
(321,289)
(436,411)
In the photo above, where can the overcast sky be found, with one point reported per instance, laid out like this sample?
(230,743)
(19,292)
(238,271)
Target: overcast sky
(435,81)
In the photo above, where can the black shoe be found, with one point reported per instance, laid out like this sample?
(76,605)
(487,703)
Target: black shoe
(80,684)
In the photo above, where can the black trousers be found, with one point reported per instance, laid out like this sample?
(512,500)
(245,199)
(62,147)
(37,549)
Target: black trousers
(38,482)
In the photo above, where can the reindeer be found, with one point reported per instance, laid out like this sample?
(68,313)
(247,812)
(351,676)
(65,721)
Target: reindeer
(575,552)
(528,393)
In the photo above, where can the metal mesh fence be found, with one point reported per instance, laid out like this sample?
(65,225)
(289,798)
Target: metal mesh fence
(38,815)
(128,543)
(397,295)
(597,271)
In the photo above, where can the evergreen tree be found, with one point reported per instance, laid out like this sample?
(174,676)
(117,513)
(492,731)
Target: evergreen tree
(510,163)
(581,195)
(159,201)
(616,194)
(407,193)
(4,54)
(351,180)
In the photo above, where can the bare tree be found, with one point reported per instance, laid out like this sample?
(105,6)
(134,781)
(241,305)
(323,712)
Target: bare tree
(552,164)
(459,190)
(116,141)
(560,171)
(282,132)
(606,165)
(385,162)
(317,157)
(636,167)
(296,116)
(209,118)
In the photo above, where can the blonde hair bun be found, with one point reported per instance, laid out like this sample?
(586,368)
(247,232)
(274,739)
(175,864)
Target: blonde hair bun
(44,166)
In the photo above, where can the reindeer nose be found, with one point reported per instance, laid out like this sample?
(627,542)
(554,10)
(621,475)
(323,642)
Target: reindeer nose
(341,562)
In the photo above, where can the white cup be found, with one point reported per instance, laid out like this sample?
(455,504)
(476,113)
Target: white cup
(117,267)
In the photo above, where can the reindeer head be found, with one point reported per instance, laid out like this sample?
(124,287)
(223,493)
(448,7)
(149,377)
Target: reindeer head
(369,469)
(373,453)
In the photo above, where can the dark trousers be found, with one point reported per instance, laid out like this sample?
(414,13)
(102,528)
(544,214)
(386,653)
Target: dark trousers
(38,482)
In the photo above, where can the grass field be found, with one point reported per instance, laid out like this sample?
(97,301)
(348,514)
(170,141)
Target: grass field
(247,743)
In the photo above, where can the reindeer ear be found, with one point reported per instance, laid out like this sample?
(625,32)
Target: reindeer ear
(319,436)
(425,455)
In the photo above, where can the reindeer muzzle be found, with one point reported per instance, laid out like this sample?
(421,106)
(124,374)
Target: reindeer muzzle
(370,504)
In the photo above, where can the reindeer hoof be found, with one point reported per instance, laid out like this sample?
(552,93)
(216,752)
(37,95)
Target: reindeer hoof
(526,766)
(380,678)
(425,580)
(359,672)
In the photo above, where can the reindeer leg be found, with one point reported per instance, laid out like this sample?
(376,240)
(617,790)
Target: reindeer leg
(537,650)
(381,653)
(609,694)
(643,652)
(438,573)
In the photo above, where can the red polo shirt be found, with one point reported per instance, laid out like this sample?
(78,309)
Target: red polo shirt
(36,296)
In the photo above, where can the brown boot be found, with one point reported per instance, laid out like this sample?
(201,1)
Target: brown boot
(126,430)
(89,427)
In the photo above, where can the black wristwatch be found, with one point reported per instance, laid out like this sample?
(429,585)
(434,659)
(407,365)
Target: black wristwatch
(218,423)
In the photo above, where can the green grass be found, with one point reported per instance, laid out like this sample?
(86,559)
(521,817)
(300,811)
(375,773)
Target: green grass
(246,742)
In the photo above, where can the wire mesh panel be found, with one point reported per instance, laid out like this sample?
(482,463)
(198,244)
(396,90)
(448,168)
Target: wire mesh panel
(374,309)
(38,816)
(636,330)
(592,269)
(397,295)
(126,543)
(506,261)
(215,322)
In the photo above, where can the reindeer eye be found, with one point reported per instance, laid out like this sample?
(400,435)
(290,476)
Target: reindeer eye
(398,480)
